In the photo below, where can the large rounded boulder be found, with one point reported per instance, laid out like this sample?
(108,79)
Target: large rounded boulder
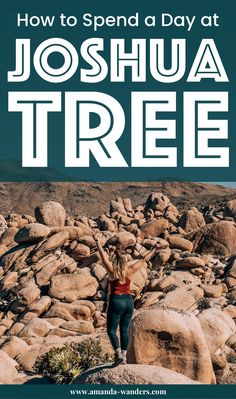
(157,202)
(171,339)
(32,232)
(217,327)
(51,213)
(191,220)
(154,228)
(230,209)
(217,238)
(133,374)
(70,287)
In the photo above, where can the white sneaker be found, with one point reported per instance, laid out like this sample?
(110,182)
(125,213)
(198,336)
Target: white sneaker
(124,360)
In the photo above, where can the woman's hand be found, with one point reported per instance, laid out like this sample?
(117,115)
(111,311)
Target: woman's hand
(96,238)
(103,254)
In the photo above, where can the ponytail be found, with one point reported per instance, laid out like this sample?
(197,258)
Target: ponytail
(120,268)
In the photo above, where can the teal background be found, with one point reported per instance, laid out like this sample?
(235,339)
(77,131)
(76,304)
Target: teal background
(172,391)
(10,122)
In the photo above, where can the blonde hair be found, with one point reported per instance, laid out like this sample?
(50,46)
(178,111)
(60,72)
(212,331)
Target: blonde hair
(120,267)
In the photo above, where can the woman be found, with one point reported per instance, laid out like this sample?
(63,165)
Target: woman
(120,308)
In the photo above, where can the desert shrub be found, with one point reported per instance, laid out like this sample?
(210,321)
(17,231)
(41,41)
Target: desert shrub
(63,365)
(204,303)
(169,288)
(91,353)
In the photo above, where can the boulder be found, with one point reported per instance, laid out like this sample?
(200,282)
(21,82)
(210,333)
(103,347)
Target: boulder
(157,202)
(27,316)
(228,377)
(3,223)
(78,326)
(16,329)
(190,262)
(217,327)
(36,328)
(165,282)
(3,250)
(81,251)
(28,294)
(75,232)
(191,220)
(47,267)
(13,346)
(9,281)
(51,214)
(232,270)
(122,240)
(69,312)
(183,277)
(175,341)
(138,281)
(162,257)
(230,209)
(127,204)
(55,321)
(218,239)
(104,223)
(231,342)
(133,374)
(10,257)
(20,262)
(149,299)
(230,282)
(17,307)
(32,232)
(55,241)
(172,214)
(183,298)
(231,311)
(154,228)
(177,242)
(73,286)
(41,305)
(212,291)
(27,359)
(87,303)
(8,368)
(99,320)
(98,271)
(117,206)
(125,220)
(8,236)
(88,241)
(61,332)
(219,362)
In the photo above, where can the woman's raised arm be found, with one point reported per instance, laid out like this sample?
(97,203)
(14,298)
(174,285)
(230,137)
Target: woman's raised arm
(104,257)
(146,256)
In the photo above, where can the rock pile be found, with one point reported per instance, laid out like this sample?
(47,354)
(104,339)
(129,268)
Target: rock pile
(53,286)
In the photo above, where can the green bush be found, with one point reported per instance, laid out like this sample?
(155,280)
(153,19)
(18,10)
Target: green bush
(63,365)
(91,353)
(204,303)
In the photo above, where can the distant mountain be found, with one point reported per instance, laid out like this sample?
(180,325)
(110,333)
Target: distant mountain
(92,198)
(11,170)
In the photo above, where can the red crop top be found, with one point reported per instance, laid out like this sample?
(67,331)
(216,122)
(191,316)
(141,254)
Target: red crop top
(118,288)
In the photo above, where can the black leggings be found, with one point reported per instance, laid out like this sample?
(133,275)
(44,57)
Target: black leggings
(120,311)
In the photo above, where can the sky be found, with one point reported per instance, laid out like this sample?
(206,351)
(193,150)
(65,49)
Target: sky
(228,184)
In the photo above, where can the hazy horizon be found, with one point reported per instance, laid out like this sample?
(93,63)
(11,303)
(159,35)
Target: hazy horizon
(228,184)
